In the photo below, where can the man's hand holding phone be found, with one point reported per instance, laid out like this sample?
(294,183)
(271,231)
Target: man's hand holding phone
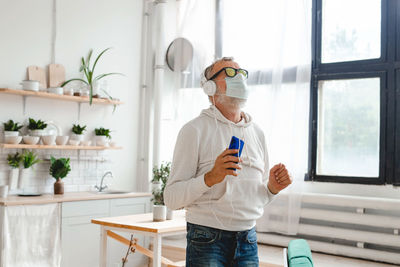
(224,165)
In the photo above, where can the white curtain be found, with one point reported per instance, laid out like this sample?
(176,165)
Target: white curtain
(272,40)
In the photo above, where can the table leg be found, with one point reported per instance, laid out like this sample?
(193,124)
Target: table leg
(103,247)
(157,251)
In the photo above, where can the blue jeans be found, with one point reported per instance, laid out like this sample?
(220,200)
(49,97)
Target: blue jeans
(210,247)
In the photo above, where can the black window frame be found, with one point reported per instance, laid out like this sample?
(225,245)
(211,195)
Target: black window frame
(387,68)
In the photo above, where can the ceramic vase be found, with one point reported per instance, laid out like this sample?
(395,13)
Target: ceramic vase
(13,178)
(59,187)
(159,213)
(24,175)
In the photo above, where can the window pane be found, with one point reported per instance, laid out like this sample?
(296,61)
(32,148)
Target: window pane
(254,32)
(348,127)
(351,30)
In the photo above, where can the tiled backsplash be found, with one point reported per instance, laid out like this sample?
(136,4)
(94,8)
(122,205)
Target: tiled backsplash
(87,168)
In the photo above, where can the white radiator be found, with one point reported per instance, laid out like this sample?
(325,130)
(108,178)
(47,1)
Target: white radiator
(360,227)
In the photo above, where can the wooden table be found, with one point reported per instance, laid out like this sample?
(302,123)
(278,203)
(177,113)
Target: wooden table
(142,224)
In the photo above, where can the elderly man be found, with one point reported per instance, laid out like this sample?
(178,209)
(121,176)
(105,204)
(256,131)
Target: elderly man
(224,194)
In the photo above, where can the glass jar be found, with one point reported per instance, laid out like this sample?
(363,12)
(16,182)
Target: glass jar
(85,90)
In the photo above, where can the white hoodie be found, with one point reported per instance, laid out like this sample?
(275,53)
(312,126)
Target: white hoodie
(237,202)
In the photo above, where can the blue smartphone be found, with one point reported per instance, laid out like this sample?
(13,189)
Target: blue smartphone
(236,143)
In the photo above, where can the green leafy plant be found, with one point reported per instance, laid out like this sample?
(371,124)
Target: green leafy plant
(77,129)
(14,160)
(160,175)
(102,131)
(88,71)
(59,168)
(111,98)
(158,198)
(11,126)
(36,125)
(29,159)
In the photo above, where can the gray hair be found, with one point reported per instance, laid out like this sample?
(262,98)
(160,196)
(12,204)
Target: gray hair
(207,71)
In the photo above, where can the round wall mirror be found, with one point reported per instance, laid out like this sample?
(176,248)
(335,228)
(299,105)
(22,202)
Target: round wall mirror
(179,54)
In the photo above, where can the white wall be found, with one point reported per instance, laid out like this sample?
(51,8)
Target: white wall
(26,30)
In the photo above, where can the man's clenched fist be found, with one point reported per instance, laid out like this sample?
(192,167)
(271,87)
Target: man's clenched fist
(279,178)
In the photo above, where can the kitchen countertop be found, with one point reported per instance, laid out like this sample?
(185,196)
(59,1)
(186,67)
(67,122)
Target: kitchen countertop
(13,200)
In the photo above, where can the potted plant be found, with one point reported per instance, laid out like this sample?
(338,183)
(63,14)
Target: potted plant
(159,208)
(59,169)
(91,80)
(14,161)
(159,181)
(78,132)
(36,128)
(11,128)
(102,135)
(29,159)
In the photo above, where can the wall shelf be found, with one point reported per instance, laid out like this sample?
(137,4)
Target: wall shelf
(66,147)
(79,99)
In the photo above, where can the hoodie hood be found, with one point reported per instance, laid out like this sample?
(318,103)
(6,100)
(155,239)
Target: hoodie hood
(213,112)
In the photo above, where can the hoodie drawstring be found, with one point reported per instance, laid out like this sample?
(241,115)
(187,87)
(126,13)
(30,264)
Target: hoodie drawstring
(243,137)
(247,152)
(213,159)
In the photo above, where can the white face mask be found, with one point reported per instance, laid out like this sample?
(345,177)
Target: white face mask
(237,86)
(233,102)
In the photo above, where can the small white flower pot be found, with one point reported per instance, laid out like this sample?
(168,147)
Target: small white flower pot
(13,178)
(37,132)
(78,137)
(62,140)
(159,213)
(86,143)
(9,139)
(73,142)
(101,140)
(49,140)
(11,133)
(31,140)
(24,176)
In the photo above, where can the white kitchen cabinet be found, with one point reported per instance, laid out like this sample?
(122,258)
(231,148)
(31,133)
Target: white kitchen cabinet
(81,239)
(116,250)
(78,236)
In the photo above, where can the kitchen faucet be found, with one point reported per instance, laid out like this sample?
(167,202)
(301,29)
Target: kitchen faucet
(101,187)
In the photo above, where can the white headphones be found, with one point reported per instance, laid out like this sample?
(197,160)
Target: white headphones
(209,86)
